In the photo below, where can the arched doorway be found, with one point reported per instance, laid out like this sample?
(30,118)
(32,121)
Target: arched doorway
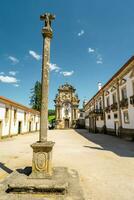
(66,123)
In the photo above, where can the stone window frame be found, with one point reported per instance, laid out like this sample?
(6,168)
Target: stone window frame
(100,103)
(15,115)
(133,86)
(1,127)
(122,88)
(128,120)
(97,118)
(6,113)
(25,117)
(108,100)
(116,114)
(81,114)
(114,94)
(102,118)
(108,116)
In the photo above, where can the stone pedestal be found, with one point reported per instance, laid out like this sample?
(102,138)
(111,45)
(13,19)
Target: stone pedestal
(42,159)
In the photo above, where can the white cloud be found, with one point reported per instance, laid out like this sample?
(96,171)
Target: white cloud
(34,55)
(99,62)
(8,79)
(13,59)
(99,59)
(2,73)
(67,73)
(81,33)
(54,67)
(16,85)
(90,50)
(13,73)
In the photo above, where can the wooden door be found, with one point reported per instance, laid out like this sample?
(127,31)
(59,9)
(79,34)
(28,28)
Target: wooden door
(19,127)
(66,123)
(30,124)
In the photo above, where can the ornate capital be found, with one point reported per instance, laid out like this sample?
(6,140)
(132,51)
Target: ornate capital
(47,32)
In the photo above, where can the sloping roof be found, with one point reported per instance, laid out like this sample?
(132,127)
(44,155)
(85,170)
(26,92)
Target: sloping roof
(113,77)
(17,105)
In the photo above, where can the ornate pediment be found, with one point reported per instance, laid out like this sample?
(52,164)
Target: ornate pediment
(106,93)
(122,81)
(113,88)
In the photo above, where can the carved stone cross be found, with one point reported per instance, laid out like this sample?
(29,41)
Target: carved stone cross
(47,17)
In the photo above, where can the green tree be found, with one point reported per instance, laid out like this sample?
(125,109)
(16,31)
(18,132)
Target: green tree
(35,99)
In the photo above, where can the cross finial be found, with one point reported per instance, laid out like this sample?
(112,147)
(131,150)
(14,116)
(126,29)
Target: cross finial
(47,17)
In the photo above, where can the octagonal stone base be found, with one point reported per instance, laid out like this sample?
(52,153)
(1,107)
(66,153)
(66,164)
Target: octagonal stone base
(42,159)
(64,185)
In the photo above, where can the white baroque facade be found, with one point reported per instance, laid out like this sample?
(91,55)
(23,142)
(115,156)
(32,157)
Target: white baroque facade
(111,110)
(16,118)
(66,107)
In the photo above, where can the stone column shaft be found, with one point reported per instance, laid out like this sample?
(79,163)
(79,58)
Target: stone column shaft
(45,87)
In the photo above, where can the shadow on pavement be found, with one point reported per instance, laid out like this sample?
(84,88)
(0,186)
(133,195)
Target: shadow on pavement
(27,171)
(108,143)
(6,169)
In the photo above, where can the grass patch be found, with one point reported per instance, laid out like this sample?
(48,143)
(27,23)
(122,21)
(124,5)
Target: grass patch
(51,118)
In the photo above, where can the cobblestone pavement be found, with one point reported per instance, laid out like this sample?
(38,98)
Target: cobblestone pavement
(105,163)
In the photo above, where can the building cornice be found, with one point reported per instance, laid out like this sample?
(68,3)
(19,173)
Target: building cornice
(118,75)
(17,105)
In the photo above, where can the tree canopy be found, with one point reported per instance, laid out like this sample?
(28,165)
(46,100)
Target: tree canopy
(35,99)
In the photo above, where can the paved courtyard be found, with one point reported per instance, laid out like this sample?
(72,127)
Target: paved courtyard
(105,163)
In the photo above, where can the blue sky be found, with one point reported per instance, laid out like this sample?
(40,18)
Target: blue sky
(92,40)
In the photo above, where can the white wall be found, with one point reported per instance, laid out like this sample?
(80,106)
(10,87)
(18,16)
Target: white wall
(10,125)
(130,109)
(87,122)
(99,123)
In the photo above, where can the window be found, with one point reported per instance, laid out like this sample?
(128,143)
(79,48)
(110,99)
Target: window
(102,118)
(100,104)
(96,105)
(126,117)
(109,116)
(114,98)
(108,101)
(15,114)
(133,87)
(124,93)
(115,116)
(81,114)
(7,113)
(25,117)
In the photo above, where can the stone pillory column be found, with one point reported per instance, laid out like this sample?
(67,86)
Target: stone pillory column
(42,150)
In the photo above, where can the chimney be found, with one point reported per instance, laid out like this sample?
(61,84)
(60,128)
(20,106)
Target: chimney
(99,86)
